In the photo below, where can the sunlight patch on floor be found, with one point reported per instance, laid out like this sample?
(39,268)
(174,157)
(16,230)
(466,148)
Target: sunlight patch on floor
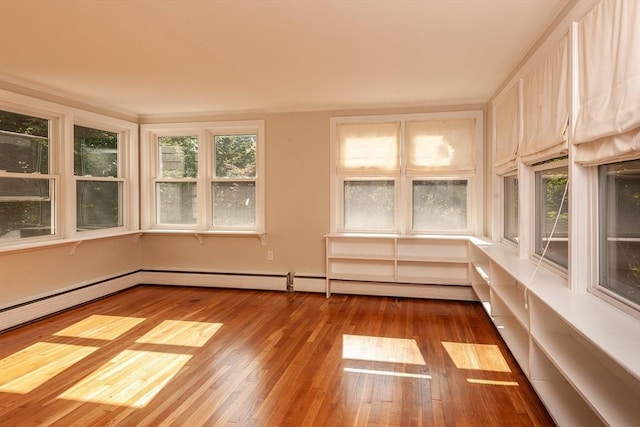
(381,349)
(180,332)
(132,378)
(387,373)
(100,327)
(31,367)
(483,357)
(492,382)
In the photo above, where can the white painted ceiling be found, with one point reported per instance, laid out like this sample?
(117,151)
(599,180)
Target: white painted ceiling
(160,57)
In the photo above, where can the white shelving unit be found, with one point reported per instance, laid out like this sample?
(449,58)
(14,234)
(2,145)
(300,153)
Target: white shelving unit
(372,263)
(581,354)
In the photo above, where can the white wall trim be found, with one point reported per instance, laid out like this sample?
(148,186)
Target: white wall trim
(214,280)
(46,305)
(448,292)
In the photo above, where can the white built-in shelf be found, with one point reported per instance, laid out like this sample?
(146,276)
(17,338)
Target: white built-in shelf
(397,259)
(581,354)
(514,298)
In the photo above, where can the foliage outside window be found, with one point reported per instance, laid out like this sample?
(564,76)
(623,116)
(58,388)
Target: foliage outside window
(204,176)
(176,195)
(551,236)
(369,205)
(27,188)
(439,205)
(510,205)
(234,185)
(619,234)
(99,188)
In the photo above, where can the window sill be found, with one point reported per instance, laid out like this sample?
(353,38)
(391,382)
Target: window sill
(73,242)
(199,235)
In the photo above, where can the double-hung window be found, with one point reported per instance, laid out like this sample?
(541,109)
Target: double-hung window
(176,180)
(404,174)
(619,210)
(510,205)
(368,168)
(28,181)
(204,176)
(98,177)
(551,225)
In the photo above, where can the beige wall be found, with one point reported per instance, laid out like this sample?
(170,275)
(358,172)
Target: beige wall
(32,273)
(297,210)
(297,218)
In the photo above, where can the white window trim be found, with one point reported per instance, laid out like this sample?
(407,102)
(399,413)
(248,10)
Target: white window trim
(503,237)
(475,186)
(593,270)
(559,269)
(408,188)
(205,176)
(396,212)
(62,120)
(127,173)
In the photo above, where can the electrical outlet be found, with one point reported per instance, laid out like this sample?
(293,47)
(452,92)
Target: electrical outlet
(270,255)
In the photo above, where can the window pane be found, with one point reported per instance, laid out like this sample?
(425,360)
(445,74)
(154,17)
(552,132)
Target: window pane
(98,205)
(25,207)
(176,202)
(95,152)
(24,143)
(440,205)
(550,187)
(619,231)
(178,156)
(235,156)
(369,205)
(234,204)
(511,208)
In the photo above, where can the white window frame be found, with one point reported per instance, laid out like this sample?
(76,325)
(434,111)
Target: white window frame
(62,119)
(503,208)
(595,287)
(409,199)
(205,132)
(55,141)
(403,186)
(562,270)
(396,200)
(127,173)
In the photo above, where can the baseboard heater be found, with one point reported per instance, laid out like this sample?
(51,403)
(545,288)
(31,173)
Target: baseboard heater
(47,304)
(258,281)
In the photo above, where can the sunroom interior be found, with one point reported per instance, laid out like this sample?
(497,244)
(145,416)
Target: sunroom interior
(285,146)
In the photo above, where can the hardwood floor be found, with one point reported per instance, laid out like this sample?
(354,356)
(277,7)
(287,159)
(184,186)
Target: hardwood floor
(161,356)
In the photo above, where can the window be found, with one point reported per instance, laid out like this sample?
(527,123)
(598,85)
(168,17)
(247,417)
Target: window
(175,186)
(369,205)
(551,236)
(27,180)
(233,186)
(405,174)
(99,185)
(205,176)
(439,205)
(510,204)
(619,235)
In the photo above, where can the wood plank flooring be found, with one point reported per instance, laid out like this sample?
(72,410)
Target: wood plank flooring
(169,356)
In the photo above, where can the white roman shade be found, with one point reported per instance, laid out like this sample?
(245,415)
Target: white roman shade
(369,148)
(505,111)
(440,147)
(608,124)
(545,102)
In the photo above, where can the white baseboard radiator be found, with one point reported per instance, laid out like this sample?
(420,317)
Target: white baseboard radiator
(40,306)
